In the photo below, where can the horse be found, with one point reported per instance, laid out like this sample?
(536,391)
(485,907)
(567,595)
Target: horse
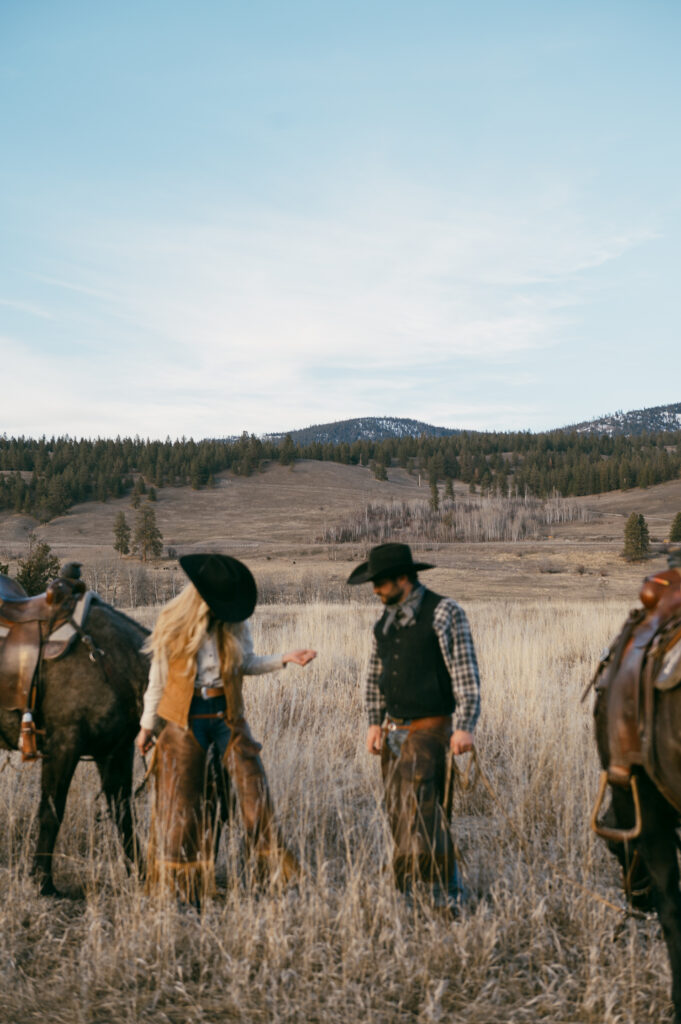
(87,703)
(638,734)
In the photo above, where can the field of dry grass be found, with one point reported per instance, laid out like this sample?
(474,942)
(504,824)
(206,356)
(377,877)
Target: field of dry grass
(273,520)
(342,946)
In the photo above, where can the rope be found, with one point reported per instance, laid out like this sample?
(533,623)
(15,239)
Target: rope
(467,781)
(147,774)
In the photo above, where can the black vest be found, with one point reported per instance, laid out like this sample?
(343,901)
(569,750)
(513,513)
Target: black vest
(414,679)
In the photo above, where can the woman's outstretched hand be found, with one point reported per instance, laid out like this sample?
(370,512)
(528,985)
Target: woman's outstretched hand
(299,657)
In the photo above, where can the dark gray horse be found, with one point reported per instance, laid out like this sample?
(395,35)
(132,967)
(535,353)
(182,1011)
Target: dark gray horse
(90,708)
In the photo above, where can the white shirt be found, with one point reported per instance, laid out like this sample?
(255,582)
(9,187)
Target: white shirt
(207,669)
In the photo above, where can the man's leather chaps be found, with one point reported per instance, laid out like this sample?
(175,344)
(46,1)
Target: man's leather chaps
(414,789)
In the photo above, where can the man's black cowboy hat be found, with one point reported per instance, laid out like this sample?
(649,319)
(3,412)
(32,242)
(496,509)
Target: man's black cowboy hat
(225,584)
(388,560)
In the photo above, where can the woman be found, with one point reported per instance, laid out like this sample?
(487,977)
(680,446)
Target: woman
(201,648)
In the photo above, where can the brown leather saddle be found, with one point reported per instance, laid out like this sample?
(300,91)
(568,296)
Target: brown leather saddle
(31,630)
(645,656)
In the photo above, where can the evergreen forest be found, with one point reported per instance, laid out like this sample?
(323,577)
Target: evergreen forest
(45,477)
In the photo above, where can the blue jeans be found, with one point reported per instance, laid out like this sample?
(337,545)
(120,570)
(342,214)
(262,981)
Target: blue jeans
(209,730)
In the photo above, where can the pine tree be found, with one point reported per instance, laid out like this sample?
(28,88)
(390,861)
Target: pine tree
(122,534)
(675,532)
(636,538)
(434,496)
(38,568)
(148,540)
(287,451)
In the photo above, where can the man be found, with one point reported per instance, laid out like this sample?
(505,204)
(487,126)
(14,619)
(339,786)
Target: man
(423,699)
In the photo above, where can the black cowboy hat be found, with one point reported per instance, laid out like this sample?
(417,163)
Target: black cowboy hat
(225,584)
(388,560)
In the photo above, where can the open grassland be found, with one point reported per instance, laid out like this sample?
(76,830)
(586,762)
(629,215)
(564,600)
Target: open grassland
(277,520)
(342,946)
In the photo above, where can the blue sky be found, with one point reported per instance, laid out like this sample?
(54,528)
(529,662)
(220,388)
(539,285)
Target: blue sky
(224,216)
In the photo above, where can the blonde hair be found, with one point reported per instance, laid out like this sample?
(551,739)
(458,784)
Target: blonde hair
(181,629)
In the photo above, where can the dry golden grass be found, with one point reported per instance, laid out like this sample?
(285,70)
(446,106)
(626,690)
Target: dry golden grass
(342,946)
(272,520)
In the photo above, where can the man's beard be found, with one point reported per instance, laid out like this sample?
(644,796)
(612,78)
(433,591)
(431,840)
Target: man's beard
(393,599)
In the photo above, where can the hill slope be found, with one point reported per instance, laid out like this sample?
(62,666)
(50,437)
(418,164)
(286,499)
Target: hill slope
(366,428)
(637,421)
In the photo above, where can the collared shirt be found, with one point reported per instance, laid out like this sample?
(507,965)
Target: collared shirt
(207,669)
(456,644)
(208,663)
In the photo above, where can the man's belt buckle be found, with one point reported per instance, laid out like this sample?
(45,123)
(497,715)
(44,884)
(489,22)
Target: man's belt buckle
(396,723)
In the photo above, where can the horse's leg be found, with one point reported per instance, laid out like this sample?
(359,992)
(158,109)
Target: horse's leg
(62,751)
(635,873)
(115,771)
(658,848)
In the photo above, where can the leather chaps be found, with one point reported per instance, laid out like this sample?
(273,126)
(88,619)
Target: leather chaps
(414,786)
(247,775)
(182,845)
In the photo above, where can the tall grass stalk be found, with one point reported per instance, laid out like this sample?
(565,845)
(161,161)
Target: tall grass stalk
(343,946)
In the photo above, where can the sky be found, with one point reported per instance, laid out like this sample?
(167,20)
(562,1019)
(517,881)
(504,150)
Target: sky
(221,216)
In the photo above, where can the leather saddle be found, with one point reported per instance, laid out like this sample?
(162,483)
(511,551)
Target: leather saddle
(35,628)
(645,656)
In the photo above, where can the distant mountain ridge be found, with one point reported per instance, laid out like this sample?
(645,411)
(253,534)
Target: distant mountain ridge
(381,428)
(637,421)
(365,428)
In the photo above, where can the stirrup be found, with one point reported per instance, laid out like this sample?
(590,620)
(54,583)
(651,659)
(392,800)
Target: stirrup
(617,835)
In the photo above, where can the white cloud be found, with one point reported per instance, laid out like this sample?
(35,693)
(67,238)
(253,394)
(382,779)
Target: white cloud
(267,322)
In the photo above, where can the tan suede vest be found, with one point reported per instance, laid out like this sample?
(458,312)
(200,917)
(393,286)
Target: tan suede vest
(179,690)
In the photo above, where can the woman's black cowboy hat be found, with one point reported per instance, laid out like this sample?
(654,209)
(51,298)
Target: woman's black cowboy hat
(225,584)
(388,560)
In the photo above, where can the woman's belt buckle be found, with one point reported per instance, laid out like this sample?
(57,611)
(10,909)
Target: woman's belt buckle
(211,691)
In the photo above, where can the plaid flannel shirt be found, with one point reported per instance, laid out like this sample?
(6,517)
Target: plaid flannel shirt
(456,643)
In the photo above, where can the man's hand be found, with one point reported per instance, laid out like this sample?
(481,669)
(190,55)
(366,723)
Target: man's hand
(144,741)
(374,738)
(461,742)
(299,657)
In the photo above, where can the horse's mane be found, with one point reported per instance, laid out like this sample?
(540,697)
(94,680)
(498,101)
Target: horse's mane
(97,601)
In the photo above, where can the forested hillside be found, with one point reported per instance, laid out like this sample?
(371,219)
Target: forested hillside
(366,428)
(636,421)
(45,477)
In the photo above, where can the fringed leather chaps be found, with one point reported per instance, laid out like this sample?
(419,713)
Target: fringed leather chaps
(414,789)
(249,782)
(181,845)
